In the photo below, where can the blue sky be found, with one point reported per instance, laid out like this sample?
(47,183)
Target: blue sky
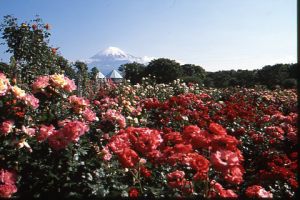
(215,34)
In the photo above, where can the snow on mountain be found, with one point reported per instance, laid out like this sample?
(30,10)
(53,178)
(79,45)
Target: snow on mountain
(111,58)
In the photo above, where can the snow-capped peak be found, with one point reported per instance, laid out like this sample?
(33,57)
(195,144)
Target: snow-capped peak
(111,58)
(110,53)
(113,51)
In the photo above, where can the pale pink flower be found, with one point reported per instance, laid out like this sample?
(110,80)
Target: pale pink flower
(224,158)
(6,127)
(31,101)
(4,84)
(70,86)
(63,122)
(106,155)
(89,115)
(28,131)
(40,83)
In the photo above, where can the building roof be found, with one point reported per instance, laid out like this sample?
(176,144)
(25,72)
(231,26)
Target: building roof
(100,75)
(113,74)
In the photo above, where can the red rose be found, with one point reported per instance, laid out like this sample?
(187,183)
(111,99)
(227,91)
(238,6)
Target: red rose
(175,175)
(217,129)
(45,132)
(7,190)
(190,132)
(219,191)
(176,179)
(34,27)
(234,175)
(224,159)
(145,172)
(256,191)
(47,27)
(128,158)
(7,177)
(133,192)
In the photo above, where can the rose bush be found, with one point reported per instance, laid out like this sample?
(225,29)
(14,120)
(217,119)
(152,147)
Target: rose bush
(146,140)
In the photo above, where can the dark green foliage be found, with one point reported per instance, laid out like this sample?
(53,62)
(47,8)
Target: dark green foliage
(4,68)
(82,77)
(93,74)
(290,83)
(193,70)
(283,75)
(273,75)
(192,79)
(164,70)
(133,72)
(66,67)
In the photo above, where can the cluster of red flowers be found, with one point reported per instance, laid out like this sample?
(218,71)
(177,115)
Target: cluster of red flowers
(70,131)
(243,113)
(175,148)
(7,183)
(222,143)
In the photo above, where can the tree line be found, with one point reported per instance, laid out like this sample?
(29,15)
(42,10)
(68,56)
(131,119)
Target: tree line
(165,70)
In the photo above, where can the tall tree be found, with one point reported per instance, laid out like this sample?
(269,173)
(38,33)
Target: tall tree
(133,71)
(29,45)
(165,70)
(193,70)
(93,74)
(66,67)
(273,75)
(82,77)
(193,73)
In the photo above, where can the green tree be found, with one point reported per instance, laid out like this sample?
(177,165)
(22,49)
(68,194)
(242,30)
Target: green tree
(4,68)
(290,83)
(273,75)
(209,81)
(66,67)
(293,71)
(133,71)
(164,70)
(193,73)
(193,70)
(82,77)
(29,45)
(221,79)
(246,78)
(93,74)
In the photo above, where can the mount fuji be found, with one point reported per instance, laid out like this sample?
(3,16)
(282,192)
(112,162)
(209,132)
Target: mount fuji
(111,58)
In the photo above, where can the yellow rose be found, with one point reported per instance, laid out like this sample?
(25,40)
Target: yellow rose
(58,80)
(18,92)
(3,86)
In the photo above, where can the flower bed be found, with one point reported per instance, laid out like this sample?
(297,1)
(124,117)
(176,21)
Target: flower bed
(147,140)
